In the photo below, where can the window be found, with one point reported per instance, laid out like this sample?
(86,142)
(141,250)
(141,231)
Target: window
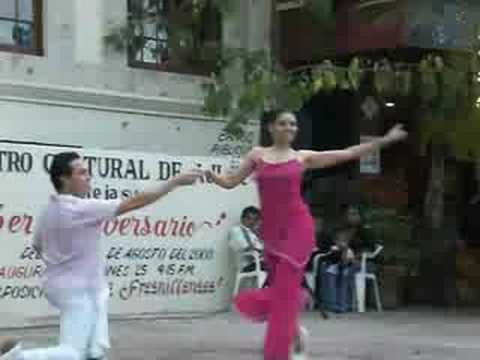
(299,39)
(169,35)
(151,44)
(21,26)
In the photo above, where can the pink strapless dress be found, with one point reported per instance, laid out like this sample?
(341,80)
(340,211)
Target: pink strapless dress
(287,228)
(287,232)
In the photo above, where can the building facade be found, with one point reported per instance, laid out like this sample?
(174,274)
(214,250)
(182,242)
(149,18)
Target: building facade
(60,84)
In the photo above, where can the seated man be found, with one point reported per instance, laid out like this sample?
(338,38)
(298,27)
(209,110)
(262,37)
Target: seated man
(243,238)
(351,239)
(337,274)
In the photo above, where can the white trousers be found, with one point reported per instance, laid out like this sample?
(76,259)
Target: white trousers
(83,326)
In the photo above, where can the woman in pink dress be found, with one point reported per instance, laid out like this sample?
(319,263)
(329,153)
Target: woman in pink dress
(287,228)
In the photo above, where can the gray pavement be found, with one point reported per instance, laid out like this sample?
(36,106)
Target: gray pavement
(416,334)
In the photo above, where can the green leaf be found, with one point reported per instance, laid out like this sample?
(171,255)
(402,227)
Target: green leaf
(428,84)
(384,78)
(341,75)
(218,99)
(249,102)
(403,82)
(322,11)
(235,129)
(449,86)
(354,74)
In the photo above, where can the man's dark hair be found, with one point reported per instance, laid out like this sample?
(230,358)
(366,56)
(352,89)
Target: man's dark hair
(61,166)
(250,210)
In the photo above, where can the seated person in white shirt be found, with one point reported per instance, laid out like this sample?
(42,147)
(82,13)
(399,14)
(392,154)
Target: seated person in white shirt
(243,238)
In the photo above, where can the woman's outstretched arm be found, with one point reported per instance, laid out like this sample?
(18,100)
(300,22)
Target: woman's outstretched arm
(245,169)
(325,159)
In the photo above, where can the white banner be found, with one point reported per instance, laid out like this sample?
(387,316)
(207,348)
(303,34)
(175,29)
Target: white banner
(171,257)
(370,163)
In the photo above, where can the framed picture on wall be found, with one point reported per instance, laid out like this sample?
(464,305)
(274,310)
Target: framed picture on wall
(371,163)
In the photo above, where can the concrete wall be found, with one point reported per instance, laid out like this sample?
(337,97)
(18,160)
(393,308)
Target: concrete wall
(75,56)
(81,93)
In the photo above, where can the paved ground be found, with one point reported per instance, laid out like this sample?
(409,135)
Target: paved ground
(418,335)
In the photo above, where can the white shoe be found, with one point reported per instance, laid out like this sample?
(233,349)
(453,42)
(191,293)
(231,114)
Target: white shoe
(9,349)
(299,349)
(299,356)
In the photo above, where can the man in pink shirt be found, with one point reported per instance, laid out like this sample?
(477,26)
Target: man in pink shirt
(67,237)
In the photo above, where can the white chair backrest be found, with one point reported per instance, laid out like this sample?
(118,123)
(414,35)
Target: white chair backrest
(378,250)
(370,256)
(251,256)
(316,261)
(234,256)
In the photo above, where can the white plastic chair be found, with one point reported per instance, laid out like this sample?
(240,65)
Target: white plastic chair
(311,276)
(256,274)
(361,278)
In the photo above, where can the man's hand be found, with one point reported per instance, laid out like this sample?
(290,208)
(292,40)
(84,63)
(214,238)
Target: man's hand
(149,197)
(188,177)
(209,175)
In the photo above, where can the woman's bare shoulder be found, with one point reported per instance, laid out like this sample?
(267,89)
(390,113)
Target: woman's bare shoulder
(257,152)
(303,155)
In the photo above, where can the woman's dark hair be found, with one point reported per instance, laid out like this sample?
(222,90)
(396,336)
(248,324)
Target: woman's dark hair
(267,120)
(61,166)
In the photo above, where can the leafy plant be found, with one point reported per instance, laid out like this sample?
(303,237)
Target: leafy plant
(265,85)
(445,84)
